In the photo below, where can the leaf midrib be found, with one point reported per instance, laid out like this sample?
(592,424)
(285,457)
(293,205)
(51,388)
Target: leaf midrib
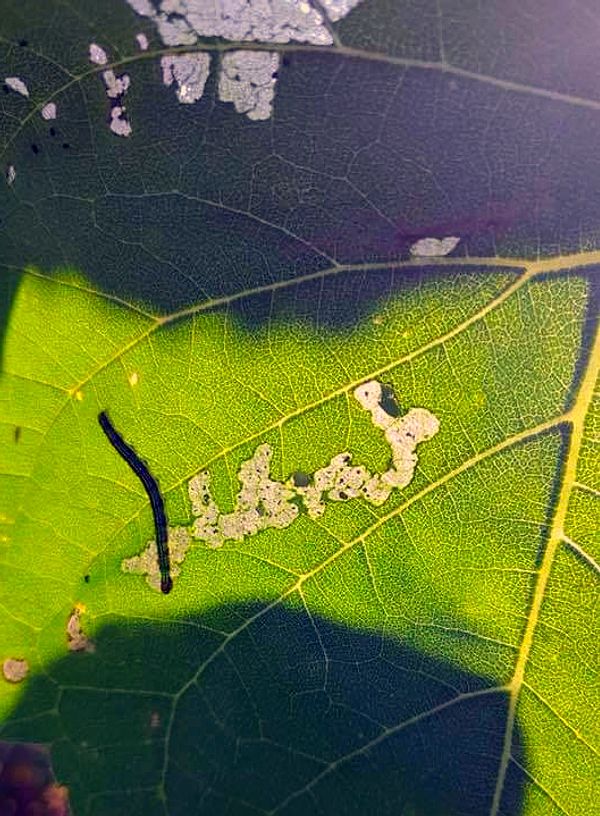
(341,50)
(576,418)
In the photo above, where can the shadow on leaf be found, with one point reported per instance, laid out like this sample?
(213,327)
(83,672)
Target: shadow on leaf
(341,301)
(291,715)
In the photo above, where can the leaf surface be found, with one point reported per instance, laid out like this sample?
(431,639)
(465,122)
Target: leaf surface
(217,284)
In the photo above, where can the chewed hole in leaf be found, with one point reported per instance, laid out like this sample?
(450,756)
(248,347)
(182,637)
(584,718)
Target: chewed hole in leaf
(387,401)
(15,669)
(300,479)
(146,563)
(77,640)
(264,503)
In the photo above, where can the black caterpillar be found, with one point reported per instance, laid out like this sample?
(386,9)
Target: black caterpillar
(151,488)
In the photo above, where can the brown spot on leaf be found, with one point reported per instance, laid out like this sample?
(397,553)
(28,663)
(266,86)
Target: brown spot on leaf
(15,669)
(77,641)
(27,784)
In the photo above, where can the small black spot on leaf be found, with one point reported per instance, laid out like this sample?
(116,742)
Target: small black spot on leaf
(35,149)
(23,43)
(388,401)
(86,578)
(52,131)
(17,432)
(66,145)
(300,479)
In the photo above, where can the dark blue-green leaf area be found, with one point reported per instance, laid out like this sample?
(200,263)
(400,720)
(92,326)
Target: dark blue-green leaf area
(365,154)
(291,715)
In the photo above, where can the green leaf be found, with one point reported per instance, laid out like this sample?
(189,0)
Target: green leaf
(224,286)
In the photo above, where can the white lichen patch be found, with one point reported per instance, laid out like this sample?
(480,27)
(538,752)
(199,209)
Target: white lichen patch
(142,41)
(146,563)
(247,79)
(17,85)
(77,641)
(49,111)
(119,123)
(97,54)
(14,669)
(189,72)
(115,85)
(11,174)
(434,247)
